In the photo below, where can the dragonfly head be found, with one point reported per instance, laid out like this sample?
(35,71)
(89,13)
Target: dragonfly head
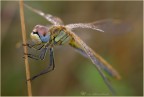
(40,34)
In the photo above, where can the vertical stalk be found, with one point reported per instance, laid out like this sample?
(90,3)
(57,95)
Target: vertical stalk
(25,48)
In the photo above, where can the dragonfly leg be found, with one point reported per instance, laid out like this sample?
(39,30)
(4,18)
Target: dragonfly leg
(40,57)
(43,53)
(40,47)
(31,56)
(29,45)
(48,69)
(33,46)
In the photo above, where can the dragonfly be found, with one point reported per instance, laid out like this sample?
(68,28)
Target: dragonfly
(47,37)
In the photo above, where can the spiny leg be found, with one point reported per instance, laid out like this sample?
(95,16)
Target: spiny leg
(32,56)
(40,57)
(33,46)
(43,53)
(40,47)
(48,69)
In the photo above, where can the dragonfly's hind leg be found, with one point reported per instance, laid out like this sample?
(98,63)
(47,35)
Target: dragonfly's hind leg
(49,68)
(32,56)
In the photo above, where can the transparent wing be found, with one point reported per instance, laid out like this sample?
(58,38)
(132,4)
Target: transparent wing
(93,58)
(107,25)
(84,25)
(53,19)
(102,63)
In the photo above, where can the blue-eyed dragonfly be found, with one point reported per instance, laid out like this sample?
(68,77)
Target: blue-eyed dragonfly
(47,37)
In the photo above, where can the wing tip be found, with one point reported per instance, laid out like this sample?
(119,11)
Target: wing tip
(117,76)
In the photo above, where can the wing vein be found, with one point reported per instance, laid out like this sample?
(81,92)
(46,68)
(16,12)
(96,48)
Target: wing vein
(92,57)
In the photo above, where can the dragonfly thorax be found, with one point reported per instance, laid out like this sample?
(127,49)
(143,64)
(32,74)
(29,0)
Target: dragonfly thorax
(59,35)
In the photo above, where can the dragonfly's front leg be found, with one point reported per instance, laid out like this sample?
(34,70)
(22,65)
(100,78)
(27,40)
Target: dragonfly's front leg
(33,46)
(48,69)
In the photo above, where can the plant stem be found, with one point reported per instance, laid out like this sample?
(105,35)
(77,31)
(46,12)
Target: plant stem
(25,48)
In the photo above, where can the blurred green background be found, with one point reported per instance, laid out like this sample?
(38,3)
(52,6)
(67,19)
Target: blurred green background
(74,74)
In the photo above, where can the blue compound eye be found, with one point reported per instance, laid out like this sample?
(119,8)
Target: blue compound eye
(42,33)
(44,38)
